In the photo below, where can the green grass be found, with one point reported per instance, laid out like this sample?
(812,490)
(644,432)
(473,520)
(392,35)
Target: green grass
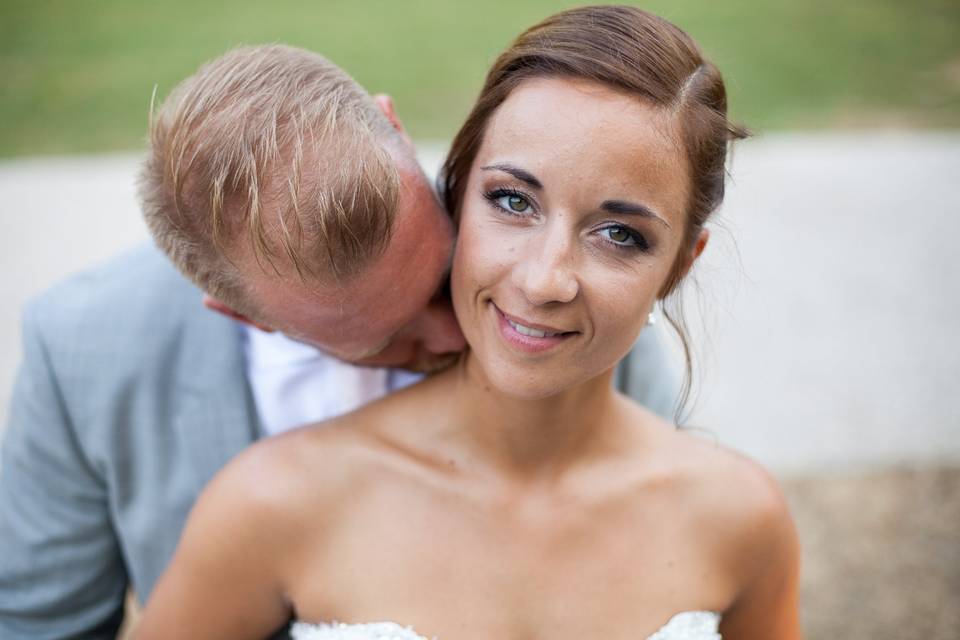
(78,75)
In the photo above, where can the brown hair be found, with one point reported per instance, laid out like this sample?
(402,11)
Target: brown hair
(636,52)
(279,142)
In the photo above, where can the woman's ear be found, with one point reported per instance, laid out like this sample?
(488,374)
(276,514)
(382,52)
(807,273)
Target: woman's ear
(683,266)
(702,238)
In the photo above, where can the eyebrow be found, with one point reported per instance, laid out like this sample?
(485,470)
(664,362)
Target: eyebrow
(516,172)
(632,209)
(610,206)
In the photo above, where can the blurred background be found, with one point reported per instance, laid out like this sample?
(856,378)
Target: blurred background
(825,310)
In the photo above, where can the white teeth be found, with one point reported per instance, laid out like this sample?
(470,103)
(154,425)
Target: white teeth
(527,331)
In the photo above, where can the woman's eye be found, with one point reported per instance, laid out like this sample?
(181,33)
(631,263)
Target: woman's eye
(514,203)
(510,201)
(624,236)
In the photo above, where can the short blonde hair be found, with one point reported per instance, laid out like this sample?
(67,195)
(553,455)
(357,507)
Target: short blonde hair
(278,142)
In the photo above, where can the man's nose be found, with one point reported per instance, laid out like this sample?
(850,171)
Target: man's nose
(437,329)
(547,271)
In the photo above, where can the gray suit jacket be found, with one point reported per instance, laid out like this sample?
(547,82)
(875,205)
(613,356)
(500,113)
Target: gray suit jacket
(131,396)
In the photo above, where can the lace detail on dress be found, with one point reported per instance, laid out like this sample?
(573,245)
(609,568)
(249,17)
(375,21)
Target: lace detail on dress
(689,625)
(342,631)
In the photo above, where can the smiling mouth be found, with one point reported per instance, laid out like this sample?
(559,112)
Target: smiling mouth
(530,331)
(527,336)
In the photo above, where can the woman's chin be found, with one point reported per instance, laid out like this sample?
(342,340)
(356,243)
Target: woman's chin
(522,383)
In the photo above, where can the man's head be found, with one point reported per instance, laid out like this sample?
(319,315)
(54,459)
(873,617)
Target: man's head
(294,199)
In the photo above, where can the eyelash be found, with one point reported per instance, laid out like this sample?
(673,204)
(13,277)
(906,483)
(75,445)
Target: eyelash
(640,243)
(506,192)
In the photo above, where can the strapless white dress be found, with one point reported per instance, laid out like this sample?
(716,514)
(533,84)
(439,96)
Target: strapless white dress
(689,625)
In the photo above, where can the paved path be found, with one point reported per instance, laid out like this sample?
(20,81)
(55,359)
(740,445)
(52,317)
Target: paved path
(831,296)
(839,343)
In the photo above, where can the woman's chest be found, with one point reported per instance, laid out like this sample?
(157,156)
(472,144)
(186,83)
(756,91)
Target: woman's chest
(462,573)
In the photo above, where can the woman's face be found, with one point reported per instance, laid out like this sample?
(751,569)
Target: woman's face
(570,223)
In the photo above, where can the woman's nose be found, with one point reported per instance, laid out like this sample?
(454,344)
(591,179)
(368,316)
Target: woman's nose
(547,271)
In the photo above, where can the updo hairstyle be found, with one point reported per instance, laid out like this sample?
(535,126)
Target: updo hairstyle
(638,53)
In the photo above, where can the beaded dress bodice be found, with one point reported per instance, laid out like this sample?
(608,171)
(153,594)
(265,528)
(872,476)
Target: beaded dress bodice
(689,625)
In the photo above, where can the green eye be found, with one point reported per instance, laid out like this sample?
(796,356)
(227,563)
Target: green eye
(619,235)
(511,201)
(518,204)
(625,238)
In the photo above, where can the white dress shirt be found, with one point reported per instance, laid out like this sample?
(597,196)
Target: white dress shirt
(295,384)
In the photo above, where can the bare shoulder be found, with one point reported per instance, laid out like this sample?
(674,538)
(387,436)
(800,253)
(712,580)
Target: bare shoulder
(743,518)
(731,480)
(318,467)
(273,500)
(308,467)
(247,535)
(733,502)
(723,481)
(737,494)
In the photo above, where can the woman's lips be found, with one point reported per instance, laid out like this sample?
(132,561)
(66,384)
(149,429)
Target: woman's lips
(529,337)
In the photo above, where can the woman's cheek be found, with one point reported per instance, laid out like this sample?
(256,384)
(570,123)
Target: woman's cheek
(467,277)
(624,316)
(459,288)
(482,255)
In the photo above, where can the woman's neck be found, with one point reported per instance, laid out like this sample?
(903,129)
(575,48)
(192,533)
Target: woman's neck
(533,438)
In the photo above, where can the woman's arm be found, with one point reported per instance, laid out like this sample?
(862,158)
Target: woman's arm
(225,579)
(768,605)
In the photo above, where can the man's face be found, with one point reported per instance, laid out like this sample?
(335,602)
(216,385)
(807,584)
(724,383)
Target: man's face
(395,312)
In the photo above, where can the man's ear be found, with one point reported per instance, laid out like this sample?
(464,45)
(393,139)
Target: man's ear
(385,103)
(215,305)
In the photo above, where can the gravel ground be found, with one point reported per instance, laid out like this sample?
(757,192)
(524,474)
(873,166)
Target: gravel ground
(881,553)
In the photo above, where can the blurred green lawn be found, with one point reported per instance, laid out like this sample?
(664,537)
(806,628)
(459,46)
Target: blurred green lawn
(77,75)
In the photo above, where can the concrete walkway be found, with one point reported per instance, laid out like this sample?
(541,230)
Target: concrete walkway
(830,295)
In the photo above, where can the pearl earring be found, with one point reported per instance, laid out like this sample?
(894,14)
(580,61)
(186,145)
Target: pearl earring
(651,319)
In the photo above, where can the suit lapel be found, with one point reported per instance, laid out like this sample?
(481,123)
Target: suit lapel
(216,418)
